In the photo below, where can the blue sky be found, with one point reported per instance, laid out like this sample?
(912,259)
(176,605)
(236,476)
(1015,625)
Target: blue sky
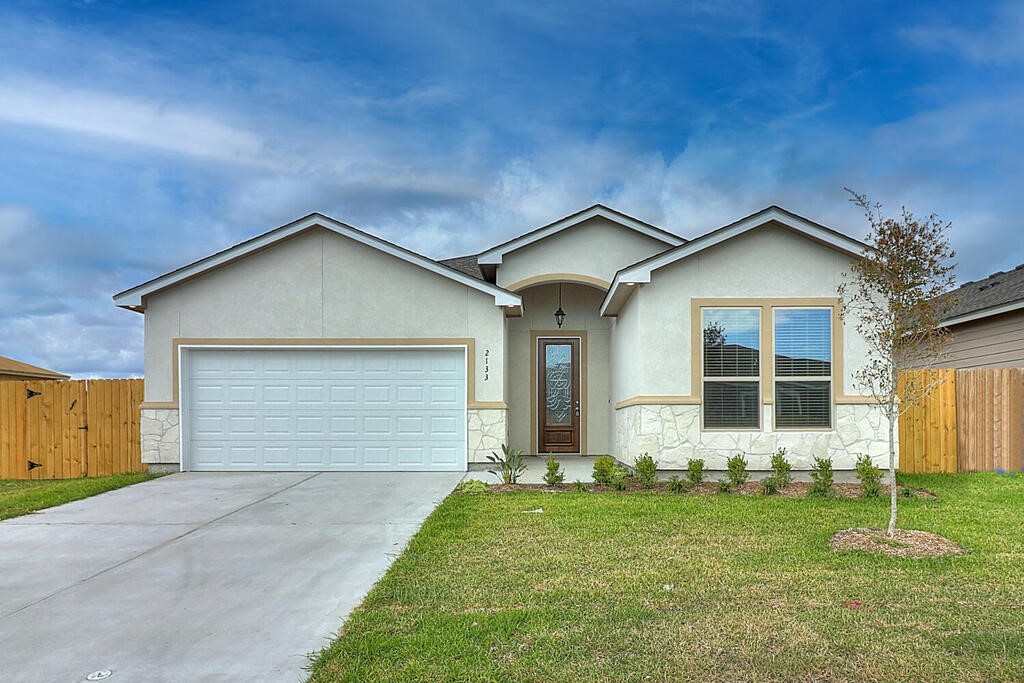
(138,136)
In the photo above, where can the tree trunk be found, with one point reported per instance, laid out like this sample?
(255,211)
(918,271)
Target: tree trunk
(893,417)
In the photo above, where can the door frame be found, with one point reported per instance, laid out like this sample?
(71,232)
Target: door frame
(183,355)
(535,336)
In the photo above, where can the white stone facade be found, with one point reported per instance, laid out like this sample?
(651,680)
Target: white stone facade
(488,430)
(672,434)
(160,436)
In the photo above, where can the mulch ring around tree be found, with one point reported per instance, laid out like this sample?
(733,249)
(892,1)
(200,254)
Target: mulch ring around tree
(906,543)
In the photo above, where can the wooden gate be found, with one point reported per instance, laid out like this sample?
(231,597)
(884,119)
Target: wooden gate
(55,429)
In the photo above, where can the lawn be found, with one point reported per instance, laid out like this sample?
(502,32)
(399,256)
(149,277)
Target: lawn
(22,496)
(663,587)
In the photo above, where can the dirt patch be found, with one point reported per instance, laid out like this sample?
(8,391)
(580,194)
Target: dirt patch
(906,543)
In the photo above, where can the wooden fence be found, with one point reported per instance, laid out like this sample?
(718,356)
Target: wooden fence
(973,421)
(64,429)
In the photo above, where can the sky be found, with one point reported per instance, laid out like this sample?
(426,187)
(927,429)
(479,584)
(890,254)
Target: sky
(139,136)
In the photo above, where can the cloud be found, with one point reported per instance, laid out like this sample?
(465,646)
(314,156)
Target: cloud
(999,42)
(131,120)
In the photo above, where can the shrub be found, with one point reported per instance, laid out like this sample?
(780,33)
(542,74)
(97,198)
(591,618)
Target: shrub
(736,471)
(821,477)
(619,478)
(510,465)
(604,465)
(695,471)
(723,486)
(870,477)
(647,471)
(780,476)
(677,485)
(579,487)
(554,474)
(472,486)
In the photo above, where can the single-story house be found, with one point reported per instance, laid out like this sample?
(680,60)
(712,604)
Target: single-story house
(317,346)
(11,369)
(987,323)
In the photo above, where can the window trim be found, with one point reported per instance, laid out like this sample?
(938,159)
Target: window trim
(756,379)
(767,362)
(830,378)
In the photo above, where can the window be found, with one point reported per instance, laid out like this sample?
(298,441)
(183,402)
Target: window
(731,368)
(803,368)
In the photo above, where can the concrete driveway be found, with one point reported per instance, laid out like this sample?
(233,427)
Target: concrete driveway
(201,577)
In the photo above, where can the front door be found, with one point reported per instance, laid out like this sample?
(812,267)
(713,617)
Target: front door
(558,395)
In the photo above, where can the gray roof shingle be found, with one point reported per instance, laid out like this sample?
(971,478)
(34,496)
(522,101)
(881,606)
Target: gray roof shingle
(995,290)
(464,264)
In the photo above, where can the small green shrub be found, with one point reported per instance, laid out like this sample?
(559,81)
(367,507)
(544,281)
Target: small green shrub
(579,487)
(677,485)
(510,465)
(736,471)
(554,474)
(646,471)
(604,465)
(780,477)
(821,477)
(870,477)
(723,486)
(472,486)
(619,478)
(695,471)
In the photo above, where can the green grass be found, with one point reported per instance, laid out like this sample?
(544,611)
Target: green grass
(578,593)
(20,496)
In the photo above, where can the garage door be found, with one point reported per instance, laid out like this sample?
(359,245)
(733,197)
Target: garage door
(325,409)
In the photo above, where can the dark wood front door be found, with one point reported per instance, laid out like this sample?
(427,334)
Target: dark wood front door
(558,395)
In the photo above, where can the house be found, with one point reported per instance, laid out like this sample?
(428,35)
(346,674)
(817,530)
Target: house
(317,346)
(11,369)
(987,323)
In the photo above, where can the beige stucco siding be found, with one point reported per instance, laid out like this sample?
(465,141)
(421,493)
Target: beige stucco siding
(768,262)
(321,285)
(581,304)
(995,342)
(596,248)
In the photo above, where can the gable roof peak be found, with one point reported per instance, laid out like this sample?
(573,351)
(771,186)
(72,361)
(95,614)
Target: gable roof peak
(495,254)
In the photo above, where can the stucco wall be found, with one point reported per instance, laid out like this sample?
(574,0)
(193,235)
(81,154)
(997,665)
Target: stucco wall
(581,304)
(596,248)
(766,262)
(321,285)
(652,352)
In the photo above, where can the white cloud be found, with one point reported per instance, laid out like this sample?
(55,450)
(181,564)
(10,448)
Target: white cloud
(132,120)
(999,42)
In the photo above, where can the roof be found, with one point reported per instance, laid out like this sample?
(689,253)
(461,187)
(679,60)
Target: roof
(9,366)
(640,272)
(1000,292)
(132,299)
(465,264)
(493,256)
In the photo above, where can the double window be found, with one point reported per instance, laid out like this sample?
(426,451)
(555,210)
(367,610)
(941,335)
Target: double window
(798,377)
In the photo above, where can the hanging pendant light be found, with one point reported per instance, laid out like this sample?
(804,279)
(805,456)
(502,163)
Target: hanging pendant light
(559,314)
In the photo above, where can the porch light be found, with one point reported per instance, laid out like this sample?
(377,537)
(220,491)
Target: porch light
(559,314)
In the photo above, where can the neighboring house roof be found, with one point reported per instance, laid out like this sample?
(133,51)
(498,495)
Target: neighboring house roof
(132,298)
(493,256)
(10,367)
(641,272)
(1000,292)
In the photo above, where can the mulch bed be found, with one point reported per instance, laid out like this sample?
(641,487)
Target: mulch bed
(794,490)
(906,543)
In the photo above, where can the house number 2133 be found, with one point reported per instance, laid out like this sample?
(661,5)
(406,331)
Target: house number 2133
(487,364)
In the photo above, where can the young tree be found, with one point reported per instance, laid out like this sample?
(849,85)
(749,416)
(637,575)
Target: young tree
(896,293)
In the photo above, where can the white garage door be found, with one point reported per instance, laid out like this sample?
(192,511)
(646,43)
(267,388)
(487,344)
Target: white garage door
(325,409)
